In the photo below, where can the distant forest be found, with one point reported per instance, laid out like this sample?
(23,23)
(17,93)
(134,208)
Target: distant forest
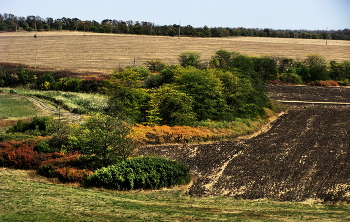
(10,22)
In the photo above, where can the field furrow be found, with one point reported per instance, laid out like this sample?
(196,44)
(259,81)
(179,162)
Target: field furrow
(305,154)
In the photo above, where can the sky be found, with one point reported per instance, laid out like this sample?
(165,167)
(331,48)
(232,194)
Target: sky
(273,14)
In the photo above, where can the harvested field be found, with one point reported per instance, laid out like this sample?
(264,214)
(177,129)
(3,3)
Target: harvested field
(305,154)
(101,53)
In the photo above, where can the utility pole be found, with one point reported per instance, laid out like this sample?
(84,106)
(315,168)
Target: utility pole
(59,118)
(179,27)
(326,35)
(35,29)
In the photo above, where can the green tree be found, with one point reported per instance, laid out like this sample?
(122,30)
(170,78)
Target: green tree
(127,95)
(47,82)
(339,71)
(70,84)
(103,139)
(302,70)
(244,98)
(25,76)
(243,63)
(191,59)
(168,106)
(155,65)
(317,66)
(206,90)
(266,67)
(222,59)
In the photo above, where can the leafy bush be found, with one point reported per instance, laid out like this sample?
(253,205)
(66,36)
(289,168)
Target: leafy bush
(43,146)
(155,65)
(169,107)
(105,139)
(340,71)
(127,95)
(291,78)
(191,59)
(141,173)
(317,66)
(40,126)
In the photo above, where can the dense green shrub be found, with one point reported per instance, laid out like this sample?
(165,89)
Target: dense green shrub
(317,66)
(291,77)
(39,126)
(155,65)
(170,107)
(141,173)
(191,59)
(266,67)
(127,95)
(43,146)
(206,90)
(104,139)
(340,71)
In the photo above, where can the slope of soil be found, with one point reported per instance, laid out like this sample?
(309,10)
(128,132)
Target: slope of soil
(304,155)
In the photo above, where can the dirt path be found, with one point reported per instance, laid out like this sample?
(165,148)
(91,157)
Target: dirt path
(304,155)
(67,115)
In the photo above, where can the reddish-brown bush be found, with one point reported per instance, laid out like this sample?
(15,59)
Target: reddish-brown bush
(20,155)
(323,83)
(65,168)
(62,160)
(71,174)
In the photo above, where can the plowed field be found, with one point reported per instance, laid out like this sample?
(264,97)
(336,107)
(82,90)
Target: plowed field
(305,153)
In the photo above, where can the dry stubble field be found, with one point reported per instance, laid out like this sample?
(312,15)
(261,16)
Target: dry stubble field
(104,52)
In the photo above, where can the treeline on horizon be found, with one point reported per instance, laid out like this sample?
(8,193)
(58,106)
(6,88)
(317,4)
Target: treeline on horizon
(10,22)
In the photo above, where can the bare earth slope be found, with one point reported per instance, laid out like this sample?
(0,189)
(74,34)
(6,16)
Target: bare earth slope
(304,155)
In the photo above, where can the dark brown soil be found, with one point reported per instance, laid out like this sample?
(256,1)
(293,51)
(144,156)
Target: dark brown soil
(310,93)
(304,155)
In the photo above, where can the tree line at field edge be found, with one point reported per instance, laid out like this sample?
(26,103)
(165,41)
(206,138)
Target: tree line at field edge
(10,22)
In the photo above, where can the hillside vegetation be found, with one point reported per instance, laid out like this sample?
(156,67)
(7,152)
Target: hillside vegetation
(198,100)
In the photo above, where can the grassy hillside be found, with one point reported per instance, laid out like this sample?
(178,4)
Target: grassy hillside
(27,197)
(13,106)
(104,52)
